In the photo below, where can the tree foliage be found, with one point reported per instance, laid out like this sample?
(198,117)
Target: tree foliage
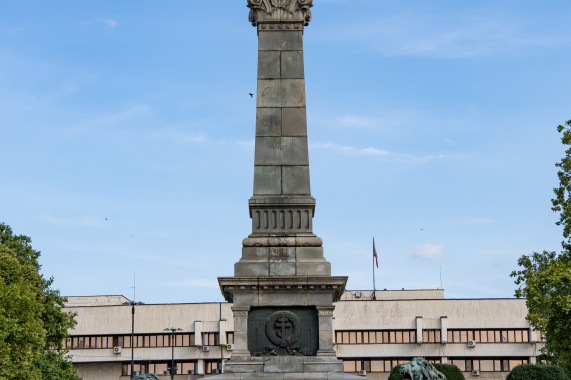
(545,280)
(537,372)
(33,325)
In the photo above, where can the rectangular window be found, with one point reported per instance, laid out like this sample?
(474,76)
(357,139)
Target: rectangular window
(486,365)
(511,336)
(359,337)
(349,366)
(483,336)
(497,336)
(385,337)
(377,366)
(518,336)
(365,337)
(456,335)
(345,337)
(398,336)
(392,336)
(352,337)
(373,337)
(339,337)
(406,337)
(160,368)
(491,336)
(463,336)
(460,363)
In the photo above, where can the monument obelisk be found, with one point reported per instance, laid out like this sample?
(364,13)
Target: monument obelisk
(282,290)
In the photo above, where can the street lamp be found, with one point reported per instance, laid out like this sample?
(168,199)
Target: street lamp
(133,303)
(172,330)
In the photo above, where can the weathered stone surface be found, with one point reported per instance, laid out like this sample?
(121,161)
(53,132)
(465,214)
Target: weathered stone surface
(309,253)
(268,121)
(282,254)
(283,364)
(269,64)
(280,40)
(282,269)
(294,122)
(295,180)
(281,93)
(267,180)
(251,269)
(281,151)
(313,269)
(292,64)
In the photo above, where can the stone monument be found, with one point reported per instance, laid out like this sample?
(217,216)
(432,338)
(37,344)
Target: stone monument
(282,290)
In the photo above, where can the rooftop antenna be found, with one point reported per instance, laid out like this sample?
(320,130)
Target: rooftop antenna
(441,277)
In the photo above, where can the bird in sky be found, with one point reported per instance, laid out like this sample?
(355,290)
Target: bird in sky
(251,95)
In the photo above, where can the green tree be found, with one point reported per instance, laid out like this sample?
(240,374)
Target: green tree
(33,324)
(545,280)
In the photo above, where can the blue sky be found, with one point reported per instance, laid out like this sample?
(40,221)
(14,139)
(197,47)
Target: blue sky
(126,133)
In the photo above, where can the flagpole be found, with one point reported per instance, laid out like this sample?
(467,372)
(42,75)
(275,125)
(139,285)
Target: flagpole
(374,287)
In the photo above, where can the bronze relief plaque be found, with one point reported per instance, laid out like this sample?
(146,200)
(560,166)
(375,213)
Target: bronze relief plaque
(283,331)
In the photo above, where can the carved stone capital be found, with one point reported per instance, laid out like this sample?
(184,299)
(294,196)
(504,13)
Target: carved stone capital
(276,11)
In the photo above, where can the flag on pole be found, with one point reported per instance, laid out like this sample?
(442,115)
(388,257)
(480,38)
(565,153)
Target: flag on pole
(375,253)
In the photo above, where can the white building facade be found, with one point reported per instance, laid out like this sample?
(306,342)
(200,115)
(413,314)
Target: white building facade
(485,338)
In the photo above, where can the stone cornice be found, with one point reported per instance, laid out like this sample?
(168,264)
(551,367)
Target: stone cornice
(229,285)
(277,11)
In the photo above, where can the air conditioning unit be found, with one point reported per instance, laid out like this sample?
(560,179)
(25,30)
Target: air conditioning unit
(475,373)
(471,343)
(216,371)
(117,350)
(362,373)
(230,347)
(205,349)
(165,373)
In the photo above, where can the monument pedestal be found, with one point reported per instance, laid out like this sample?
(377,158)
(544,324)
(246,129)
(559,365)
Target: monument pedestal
(283,327)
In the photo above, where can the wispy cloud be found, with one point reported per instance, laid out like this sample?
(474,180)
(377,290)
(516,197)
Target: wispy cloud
(77,221)
(450,35)
(357,122)
(430,252)
(111,23)
(200,283)
(350,149)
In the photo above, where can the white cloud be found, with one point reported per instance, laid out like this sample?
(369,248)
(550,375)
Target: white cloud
(111,23)
(450,35)
(356,122)
(80,221)
(200,283)
(430,252)
(350,149)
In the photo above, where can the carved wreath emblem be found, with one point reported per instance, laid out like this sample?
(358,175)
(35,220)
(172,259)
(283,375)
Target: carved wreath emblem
(283,328)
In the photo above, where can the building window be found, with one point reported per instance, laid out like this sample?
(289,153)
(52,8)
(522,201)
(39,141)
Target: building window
(383,337)
(141,341)
(376,364)
(489,336)
(211,365)
(159,367)
(210,339)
